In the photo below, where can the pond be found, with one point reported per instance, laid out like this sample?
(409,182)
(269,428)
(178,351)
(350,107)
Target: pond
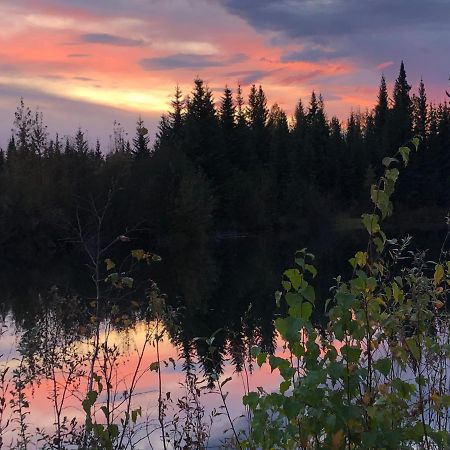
(173,352)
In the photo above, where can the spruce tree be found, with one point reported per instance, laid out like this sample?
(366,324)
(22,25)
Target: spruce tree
(176,115)
(381,125)
(11,149)
(98,151)
(227,112)
(23,123)
(381,109)
(141,141)
(401,121)
(81,145)
(421,111)
(38,134)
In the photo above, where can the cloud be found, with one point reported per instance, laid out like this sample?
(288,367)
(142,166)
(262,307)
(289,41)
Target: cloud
(66,115)
(312,54)
(247,77)
(83,79)
(78,55)
(111,39)
(384,65)
(189,61)
(365,31)
(325,18)
(302,77)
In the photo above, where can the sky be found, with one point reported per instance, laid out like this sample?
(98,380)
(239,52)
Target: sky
(86,63)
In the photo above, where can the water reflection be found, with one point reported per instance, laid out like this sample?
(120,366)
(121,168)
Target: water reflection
(223,289)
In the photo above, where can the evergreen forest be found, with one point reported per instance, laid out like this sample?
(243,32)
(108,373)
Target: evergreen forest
(229,166)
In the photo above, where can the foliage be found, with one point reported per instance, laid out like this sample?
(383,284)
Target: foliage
(377,376)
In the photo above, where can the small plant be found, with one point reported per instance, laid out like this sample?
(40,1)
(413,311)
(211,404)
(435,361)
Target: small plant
(377,377)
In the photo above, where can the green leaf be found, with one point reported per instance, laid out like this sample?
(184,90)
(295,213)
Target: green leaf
(388,161)
(289,328)
(351,354)
(404,152)
(128,282)
(261,358)
(404,389)
(346,300)
(110,264)
(383,366)
(135,413)
(154,366)
(86,406)
(293,298)
(278,295)
(92,397)
(276,362)
(370,221)
(381,200)
(285,385)
(309,294)
(361,259)
(392,174)
(294,277)
(138,254)
(306,310)
(396,291)
(251,399)
(311,269)
(438,274)
(105,411)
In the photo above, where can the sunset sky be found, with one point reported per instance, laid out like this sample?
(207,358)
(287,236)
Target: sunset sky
(88,62)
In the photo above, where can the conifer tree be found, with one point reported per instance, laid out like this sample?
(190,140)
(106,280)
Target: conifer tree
(176,115)
(98,151)
(22,126)
(317,149)
(57,145)
(401,120)
(382,108)
(420,111)
(202,141)
(11,149)
(381,129)
(38,134)
(227,112)
(298,135)
(240,111)
(141,141)
(81,145)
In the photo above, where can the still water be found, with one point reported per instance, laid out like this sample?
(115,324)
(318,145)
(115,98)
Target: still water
(187,325)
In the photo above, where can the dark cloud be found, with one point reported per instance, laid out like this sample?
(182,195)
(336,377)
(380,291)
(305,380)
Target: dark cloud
(189,61)
(368,32)
(83,79)
(247,77)
(52,77)
(110,39)
(302,77)
(319,18)
(313,54)
(179,61)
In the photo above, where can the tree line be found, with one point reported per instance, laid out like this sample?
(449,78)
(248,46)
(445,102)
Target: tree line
(234,165)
